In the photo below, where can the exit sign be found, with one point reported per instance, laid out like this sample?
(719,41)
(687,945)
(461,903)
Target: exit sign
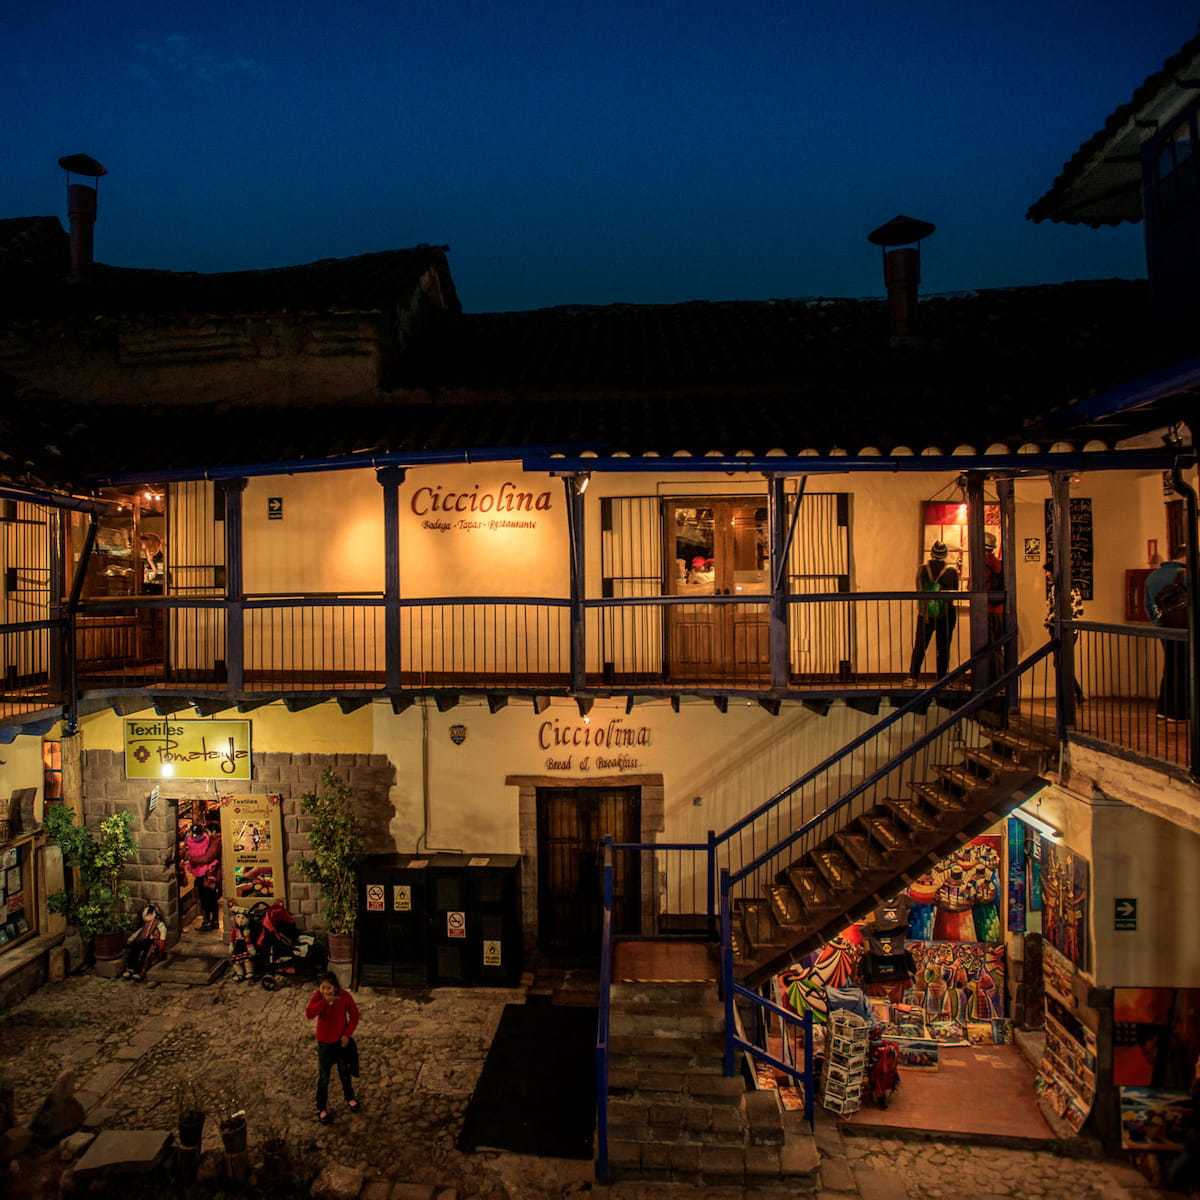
(274,508)
(1124,913)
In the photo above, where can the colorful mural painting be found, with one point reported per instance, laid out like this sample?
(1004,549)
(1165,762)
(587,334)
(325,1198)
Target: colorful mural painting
(803,985)
(1065,898)
(961,981)
(958,901)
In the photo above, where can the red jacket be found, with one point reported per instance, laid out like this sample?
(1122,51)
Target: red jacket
(336,1018)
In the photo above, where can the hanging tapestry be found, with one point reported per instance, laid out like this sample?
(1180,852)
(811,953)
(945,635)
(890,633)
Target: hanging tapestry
(1065,900)
(958,900)
(959,981)
(1017,868)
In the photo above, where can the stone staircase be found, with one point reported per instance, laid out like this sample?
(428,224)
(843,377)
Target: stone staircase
(879,853)
(674,1118)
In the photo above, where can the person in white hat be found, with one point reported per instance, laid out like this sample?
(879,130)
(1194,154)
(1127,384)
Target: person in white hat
(935,613)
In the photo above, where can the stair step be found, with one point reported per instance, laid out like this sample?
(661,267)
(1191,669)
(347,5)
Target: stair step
(857,848)
(787,1170)
(810,887)
(650,1018)
(759,923)
(882,830)
(836,869)
(960,777)
(911,815)
(995,763)
(672,1054)
(932,795)
(785,905)
(1014,741)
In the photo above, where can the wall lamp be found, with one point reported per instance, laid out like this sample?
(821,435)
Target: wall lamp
(579,479)
(1035,822)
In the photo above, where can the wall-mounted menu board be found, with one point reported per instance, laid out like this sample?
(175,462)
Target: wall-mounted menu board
(1082,553)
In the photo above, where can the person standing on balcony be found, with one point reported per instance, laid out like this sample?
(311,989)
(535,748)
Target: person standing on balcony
(1166,585)
(935,614)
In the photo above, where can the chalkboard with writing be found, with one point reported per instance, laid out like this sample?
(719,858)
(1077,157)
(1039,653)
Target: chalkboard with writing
(1082,555)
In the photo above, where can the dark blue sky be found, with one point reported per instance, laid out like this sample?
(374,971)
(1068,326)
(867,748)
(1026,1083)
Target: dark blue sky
(643,151)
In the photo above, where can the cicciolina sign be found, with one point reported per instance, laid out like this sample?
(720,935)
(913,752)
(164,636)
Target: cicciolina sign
(252,849)
(600,746)
(184,749)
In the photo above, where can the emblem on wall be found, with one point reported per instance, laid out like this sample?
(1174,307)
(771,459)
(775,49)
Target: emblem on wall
(458,734)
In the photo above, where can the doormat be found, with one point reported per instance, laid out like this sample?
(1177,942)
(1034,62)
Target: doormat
(537,1093)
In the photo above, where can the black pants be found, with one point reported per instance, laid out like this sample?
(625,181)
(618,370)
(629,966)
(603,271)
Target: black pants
(1173,692)
(330,1054)
(135,957)
(928,627)
(210,903)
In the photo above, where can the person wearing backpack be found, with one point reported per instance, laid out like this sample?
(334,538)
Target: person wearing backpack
(935,613)
(1166,603)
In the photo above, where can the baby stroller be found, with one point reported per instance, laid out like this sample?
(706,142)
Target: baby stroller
(280,949)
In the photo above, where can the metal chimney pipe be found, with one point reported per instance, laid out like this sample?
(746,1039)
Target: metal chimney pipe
(902,269)
(902,277)
(81,208)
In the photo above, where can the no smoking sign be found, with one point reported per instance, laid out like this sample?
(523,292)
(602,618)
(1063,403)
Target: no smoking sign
(456,924)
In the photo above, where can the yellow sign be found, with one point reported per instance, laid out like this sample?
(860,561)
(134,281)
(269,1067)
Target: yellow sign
(252,849)
(401,897)
(169,748)
(491,953)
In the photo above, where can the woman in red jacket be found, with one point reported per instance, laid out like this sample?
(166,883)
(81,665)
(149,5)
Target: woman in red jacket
(337,1019)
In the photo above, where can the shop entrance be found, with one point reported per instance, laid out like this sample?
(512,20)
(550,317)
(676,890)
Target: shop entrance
(572,824)
(190,811)
(719,549)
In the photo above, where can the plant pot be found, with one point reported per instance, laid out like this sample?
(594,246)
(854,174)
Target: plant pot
(277,1161)
(341,947)
(233,1135)
(109,945)
(191,1129)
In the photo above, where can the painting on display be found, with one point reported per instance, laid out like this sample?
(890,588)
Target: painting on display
(1154,1118)
(1066,1078)
(1065,901)
(1018,870)
(958,981)
(1156,1036)
(802,986)
(958,901)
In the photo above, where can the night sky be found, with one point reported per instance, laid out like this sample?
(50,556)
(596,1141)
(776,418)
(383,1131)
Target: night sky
(646,151)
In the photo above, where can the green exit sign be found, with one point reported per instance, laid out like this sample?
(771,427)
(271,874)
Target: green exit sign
(274,508)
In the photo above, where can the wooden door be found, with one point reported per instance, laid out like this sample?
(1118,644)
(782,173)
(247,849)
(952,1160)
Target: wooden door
(718,547)
(572,825)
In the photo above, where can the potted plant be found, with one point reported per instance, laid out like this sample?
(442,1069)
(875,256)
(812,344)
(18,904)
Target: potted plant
(337,841)
(97,908)
(190,1112)
(232,1124)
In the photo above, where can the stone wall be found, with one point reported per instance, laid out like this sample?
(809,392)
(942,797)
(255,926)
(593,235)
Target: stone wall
(151,875)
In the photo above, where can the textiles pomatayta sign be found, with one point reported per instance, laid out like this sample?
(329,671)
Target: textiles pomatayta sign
(252,848)
(169,748)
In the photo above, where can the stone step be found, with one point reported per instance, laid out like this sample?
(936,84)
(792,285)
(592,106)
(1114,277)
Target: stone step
(705,1054)
(649,1018)
(678,991)
(793,1165)
(197,970)
(636,1119)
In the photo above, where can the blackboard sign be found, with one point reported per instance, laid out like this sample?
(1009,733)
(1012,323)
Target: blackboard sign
(1082,555)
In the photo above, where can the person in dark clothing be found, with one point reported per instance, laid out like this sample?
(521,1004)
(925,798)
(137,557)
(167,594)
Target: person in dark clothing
(1173,690)
(337,1018)
(936,616)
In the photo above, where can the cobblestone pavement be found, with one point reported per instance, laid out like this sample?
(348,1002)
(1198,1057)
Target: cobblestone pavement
(422,1053)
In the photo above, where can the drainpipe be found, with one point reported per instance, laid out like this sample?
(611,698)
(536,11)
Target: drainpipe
(390,479)
(1193,558)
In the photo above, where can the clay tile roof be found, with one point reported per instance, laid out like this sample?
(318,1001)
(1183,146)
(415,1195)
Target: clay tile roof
(362,283)
(1101,184)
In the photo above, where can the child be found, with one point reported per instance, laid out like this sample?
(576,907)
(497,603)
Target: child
(337,1019)
(146,944)
(240,947)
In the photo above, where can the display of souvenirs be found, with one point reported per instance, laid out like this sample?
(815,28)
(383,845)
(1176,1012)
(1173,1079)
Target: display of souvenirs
(845,1061)
(886,960)
(1066,1078)
(948,1032)
(1057,974)
(958,901)
(1065,898)
(802,986)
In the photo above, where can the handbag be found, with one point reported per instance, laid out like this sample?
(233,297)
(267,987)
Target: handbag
(350,1056)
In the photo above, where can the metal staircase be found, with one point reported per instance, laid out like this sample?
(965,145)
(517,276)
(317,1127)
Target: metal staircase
(879,852)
